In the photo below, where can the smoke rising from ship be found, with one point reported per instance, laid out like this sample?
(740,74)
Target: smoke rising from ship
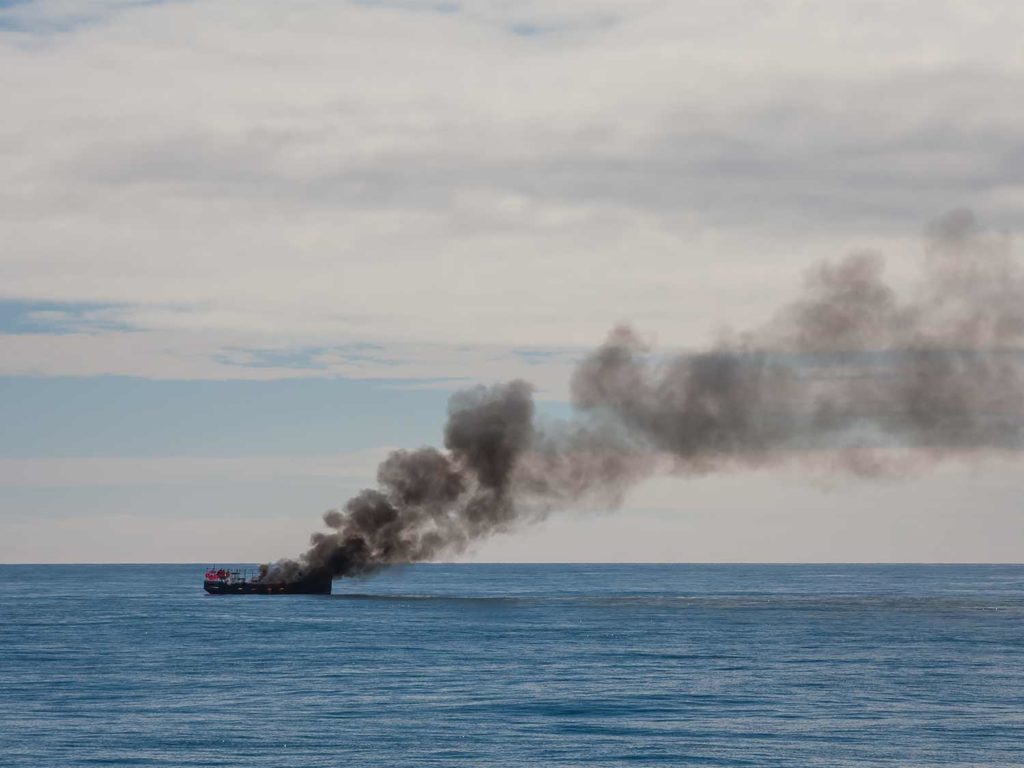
(850,375)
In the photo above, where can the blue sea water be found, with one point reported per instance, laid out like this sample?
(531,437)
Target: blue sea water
(515,665)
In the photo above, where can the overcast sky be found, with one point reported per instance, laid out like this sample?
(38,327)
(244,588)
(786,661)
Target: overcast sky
(245,247)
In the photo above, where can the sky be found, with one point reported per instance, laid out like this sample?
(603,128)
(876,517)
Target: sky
(247,247)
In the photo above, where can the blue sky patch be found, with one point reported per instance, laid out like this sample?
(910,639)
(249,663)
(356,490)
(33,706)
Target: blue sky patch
(539,356)
(317,358)
(19,316)
(121,416)
(413,5)
(64,18)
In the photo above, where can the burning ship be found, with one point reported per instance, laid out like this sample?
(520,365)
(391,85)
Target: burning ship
(225,581)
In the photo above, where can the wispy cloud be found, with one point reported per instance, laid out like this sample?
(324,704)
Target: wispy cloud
(355,466)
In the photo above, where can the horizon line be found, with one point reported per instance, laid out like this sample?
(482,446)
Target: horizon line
(565,562)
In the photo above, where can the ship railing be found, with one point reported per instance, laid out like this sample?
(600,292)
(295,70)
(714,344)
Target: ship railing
(236,575)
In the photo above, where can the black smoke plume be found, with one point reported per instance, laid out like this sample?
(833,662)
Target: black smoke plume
(850,376)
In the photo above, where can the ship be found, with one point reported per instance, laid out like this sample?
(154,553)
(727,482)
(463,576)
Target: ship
(227,581)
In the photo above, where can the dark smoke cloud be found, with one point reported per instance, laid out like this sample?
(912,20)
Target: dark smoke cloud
(851,375)
(429,503)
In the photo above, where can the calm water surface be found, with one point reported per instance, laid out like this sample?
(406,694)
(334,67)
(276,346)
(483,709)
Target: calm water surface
(514,665)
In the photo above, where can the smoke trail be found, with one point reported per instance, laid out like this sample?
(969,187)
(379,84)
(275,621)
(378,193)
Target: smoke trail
(849,374)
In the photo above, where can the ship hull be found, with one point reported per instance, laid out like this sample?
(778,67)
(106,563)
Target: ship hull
(320,586)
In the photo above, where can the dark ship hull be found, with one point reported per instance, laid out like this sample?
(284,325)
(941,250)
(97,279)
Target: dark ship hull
(312,586)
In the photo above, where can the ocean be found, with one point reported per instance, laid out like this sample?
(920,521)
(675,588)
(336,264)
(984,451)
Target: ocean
(517,665)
